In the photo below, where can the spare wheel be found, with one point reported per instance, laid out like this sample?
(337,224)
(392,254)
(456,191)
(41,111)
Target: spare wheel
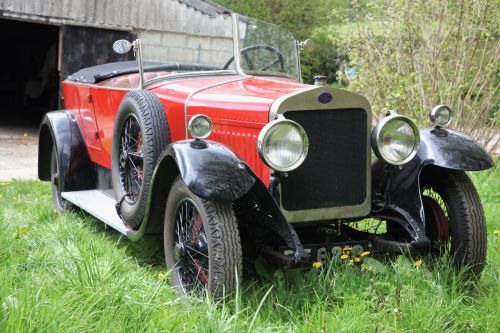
(140,135)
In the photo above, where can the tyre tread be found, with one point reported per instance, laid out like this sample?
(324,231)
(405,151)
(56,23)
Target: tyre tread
(467,220)
(225,240)
(157,137)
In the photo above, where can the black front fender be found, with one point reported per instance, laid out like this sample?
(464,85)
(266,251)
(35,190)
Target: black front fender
(452,150)
(398,190)
(210,170)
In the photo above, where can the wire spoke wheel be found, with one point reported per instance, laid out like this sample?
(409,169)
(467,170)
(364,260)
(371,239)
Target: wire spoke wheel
(139,136)
(437,225)
(131,164)
(202,244)
(190,247)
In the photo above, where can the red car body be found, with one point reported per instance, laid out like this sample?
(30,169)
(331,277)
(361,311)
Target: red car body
(239,110)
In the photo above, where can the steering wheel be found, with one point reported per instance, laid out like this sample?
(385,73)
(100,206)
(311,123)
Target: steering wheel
(244,53)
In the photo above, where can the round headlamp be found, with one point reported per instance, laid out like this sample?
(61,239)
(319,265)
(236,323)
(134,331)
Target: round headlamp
(200,126)
(440,115)
(395,139)
(283,145)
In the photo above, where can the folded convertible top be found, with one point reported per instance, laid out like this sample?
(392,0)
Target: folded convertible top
(103,72)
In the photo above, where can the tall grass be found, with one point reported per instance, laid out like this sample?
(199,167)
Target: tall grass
(68,273)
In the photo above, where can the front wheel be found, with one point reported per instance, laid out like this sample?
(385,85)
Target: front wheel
(202,243)
(455,221)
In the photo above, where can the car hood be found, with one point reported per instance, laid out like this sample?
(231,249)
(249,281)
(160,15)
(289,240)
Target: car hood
(231,97)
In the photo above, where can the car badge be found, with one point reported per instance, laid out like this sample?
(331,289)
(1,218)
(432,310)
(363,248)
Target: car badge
(325,97)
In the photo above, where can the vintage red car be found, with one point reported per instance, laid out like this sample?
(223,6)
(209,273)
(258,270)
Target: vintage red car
(238,160)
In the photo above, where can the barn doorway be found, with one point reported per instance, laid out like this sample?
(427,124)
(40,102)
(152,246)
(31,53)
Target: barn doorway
(29,83)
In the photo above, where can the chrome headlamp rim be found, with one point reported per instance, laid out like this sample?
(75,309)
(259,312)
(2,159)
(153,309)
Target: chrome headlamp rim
(192,121)
(375,138)
(433,114)
(262,138)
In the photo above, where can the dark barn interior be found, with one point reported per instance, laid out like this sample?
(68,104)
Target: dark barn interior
(29,80)
(34,64)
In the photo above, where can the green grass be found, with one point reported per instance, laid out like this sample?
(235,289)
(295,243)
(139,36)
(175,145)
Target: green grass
(67,273)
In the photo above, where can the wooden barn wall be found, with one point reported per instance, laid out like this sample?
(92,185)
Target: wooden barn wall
(159,15)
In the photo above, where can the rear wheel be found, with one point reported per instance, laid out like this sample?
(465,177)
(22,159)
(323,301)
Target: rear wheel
(202,243)
(455,221)
(56,180)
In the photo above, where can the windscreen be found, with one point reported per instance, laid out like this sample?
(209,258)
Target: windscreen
(267,48)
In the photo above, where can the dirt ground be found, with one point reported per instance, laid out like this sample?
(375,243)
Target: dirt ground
(18,151)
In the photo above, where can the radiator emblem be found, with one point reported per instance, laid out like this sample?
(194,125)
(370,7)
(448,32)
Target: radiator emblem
(325,97)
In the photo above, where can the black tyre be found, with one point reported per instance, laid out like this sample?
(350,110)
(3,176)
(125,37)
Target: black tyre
(202,243)
(455,221)
(56,180)
(140,135)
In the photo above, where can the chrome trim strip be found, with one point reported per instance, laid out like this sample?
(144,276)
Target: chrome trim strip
(194,92)
(299,67)
(308,101)
(236,42)
(138,54)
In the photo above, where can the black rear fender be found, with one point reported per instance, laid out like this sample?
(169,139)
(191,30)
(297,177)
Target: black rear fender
(60,129)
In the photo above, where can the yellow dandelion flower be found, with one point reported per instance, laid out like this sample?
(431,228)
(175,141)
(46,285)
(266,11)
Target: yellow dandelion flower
(356,259)
(317,264)
(496,232)
(347,248)
(364,254)
(344,257)
(418,263)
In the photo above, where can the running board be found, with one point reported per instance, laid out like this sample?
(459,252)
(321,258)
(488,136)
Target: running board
(101,205)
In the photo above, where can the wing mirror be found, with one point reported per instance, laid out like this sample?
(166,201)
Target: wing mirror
(122,46)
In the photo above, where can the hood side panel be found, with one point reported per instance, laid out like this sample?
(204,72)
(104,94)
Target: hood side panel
(238,110)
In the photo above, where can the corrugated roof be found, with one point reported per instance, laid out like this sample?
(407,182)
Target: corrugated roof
(161,15)
(206,7)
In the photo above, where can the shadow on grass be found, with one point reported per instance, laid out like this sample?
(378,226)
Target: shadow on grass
(148,250)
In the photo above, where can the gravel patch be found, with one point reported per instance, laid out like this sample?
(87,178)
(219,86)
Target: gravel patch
(18,152)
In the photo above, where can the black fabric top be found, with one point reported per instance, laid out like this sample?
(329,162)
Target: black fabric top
(103,72)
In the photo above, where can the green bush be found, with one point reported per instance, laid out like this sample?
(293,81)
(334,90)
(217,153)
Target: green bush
(411,55)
